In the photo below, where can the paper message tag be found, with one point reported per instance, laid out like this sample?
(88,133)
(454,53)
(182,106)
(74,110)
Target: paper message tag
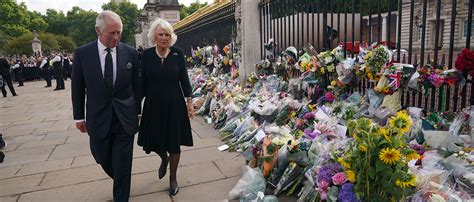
(223,147)
(260,135)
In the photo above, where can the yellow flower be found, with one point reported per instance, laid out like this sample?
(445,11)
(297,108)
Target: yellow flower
(351,176)
(406,183)
(362,148)
(412,156)
(389,156)
(343,162)
(402,122)
(355,136)
(333,83)
(386,134)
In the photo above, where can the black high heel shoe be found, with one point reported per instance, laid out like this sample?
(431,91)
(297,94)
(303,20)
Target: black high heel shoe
(162,170)
(174,191)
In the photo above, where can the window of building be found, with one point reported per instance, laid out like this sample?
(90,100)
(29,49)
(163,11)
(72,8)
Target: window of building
(465,29)
(419,33)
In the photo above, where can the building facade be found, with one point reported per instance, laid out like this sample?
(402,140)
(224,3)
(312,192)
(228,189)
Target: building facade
(165,9)
(460,29)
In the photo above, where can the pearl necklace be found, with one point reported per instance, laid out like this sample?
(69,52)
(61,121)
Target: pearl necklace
(162,57)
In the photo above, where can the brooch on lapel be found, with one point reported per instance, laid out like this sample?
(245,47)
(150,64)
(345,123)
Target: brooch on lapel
(129,66)
(175,53)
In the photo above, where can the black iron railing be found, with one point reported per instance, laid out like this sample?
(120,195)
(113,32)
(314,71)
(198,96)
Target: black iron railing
(328,23)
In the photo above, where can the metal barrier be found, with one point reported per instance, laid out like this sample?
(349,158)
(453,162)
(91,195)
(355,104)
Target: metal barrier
(396,23)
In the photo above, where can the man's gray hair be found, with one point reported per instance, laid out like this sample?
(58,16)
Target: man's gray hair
(107,15)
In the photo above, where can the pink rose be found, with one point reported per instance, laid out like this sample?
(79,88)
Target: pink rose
(339,178)
(323,185)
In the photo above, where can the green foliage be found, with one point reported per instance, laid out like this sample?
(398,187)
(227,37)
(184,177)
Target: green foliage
(188,10)
(4,38)
(20,45)
(57,22)
(14,18)
(129,14)
(82,25)
(49,42)
(66,43)
(376,180)
(38,24)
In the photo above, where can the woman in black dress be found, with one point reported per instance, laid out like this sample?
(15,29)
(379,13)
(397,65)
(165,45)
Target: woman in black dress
(168,106)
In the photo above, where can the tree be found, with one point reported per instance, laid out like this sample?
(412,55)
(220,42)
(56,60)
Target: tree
(82,25)
(66,43)
(38,24)
(14,19)
(57,22)
(129,14)
(22,45)
(188,10)
(4,38)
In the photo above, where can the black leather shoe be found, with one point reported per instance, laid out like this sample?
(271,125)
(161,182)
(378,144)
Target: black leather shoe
(2,156)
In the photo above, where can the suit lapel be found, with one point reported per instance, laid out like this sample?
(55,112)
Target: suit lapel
(97,69)
(121,60)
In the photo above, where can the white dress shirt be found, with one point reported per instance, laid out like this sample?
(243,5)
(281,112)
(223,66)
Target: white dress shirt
(43,63)
(102,54)
(57,58)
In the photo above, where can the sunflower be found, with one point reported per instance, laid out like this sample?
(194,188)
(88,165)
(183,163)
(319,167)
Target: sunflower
(343,162)
(362,148)
(351,176)
(386,134)
(389,156)
(355,136)
(402,121)
(412,156)
(406,183)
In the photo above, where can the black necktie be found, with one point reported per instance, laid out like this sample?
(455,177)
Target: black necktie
(109,71)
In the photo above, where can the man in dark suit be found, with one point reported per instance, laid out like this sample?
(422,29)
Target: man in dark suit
(45,66)
(106,72)
(58,72)
(7,79)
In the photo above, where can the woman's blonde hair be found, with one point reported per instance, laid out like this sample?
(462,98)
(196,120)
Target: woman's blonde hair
(166,26)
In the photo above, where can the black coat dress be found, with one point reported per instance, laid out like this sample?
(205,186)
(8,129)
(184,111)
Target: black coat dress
(165,124)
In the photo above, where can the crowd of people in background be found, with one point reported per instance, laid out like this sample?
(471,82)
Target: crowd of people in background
(15,68)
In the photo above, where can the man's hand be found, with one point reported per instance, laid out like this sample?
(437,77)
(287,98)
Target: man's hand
(81,126)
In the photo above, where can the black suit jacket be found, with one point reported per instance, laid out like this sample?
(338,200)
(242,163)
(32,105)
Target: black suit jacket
(88,81)
(4,67)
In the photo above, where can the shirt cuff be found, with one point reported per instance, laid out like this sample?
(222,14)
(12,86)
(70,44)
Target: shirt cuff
(80,120)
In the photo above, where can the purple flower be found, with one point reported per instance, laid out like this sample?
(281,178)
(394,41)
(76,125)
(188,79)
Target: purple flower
(309,115)
(347,193)
(436,80)
(327,171)
(310,134)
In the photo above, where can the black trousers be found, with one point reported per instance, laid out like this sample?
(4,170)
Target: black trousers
(7,80)
(114,153)
(47,76)
(58,75)
(19,77)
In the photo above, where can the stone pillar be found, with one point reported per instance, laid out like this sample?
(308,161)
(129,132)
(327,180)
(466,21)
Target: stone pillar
(250,36)
(385,29)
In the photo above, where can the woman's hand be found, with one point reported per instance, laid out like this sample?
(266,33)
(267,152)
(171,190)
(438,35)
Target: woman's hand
(190,110)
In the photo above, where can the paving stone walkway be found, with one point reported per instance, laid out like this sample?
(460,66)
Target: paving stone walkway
(47,159)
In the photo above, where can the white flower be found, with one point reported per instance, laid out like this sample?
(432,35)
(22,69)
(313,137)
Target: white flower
(436,198)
